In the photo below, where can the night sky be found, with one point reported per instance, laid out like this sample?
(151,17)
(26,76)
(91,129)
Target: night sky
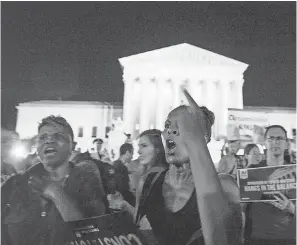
(70,50)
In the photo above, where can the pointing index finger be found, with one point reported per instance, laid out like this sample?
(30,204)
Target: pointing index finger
(196,110)
(191,101)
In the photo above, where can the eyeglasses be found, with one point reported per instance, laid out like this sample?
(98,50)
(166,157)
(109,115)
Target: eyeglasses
(277,139)
(55,136)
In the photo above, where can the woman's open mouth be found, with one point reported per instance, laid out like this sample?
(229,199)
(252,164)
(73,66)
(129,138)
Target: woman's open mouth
(50,151)
(171,146)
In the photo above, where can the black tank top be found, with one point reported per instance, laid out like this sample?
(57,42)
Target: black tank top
(171,228)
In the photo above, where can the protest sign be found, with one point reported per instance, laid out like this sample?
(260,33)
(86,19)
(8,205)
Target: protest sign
(261,184)
(251,125)
(113,229)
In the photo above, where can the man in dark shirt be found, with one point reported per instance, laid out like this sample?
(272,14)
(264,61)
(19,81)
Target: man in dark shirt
(122,173)
(272,223)
(36,204)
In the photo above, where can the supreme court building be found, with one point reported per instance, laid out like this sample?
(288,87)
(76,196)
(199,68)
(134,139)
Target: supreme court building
(152,85)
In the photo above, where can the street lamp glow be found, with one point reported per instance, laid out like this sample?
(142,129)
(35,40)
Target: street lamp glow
(19,151)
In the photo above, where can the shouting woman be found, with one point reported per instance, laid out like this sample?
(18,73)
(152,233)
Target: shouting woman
(190,203)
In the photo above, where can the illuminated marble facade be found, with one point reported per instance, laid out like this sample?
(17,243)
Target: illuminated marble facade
(152,85)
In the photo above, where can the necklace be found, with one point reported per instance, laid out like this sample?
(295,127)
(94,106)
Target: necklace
(178,187)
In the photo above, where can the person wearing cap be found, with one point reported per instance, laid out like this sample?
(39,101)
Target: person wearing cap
(36,204)
(100,154)
(229,163)
(98,142)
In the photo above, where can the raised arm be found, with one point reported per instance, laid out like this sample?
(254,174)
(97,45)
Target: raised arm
(215,206)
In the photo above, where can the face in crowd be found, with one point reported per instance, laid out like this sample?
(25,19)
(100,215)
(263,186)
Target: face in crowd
(126,152)
(99,146)
(129,155)
(175,150)
(150,148)
(233,146)
(54,144)
(146,151)
(252,154)
(276,141)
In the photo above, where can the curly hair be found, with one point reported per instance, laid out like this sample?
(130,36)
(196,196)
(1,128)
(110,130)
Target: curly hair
(155,137)
(57,120)
(208,118)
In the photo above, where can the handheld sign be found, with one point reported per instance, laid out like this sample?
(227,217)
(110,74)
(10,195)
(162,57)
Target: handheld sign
(261,184)
(112,229)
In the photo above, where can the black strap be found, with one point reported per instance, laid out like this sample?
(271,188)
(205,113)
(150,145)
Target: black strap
(195,236)
(144,197)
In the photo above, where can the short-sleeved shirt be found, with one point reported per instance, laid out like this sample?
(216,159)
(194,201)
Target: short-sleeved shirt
(228,165)
(22,222)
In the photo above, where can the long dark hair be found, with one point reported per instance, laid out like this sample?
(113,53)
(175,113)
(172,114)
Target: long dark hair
(247,150)
(155,137)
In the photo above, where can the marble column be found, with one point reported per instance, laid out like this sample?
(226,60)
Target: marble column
(225,96)
(136,103)
(110,115)
(216,108)
(203,92)
(128,107)
(160,84)
(211,88)
(232,95)
(152,91)
(239,91)
(144,120)
(192,86)
(105,121)
(176,93)
(168,99)
(183,100)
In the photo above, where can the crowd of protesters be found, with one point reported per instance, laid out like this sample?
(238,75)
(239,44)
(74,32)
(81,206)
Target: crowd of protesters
(173,191)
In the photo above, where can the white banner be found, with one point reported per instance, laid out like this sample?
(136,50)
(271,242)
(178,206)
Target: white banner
(251,125)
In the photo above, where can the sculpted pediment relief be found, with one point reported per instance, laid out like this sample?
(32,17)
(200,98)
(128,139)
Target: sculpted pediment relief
(182,54)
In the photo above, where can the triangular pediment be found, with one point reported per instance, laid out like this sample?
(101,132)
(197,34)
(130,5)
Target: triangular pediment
(182,53)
